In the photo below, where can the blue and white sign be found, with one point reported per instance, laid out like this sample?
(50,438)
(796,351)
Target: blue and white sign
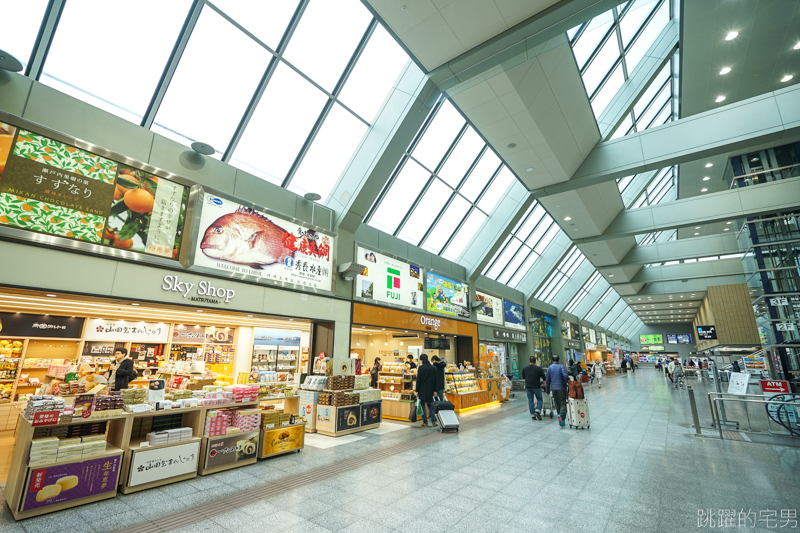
(514,315)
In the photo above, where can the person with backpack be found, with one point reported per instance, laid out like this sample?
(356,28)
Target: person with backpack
(556,384)
(533,376)
(678,374)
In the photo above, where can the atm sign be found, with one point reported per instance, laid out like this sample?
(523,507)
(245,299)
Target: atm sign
(775,387)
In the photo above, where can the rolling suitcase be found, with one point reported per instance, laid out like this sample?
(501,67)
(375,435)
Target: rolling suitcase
(446,417)
(577,413)
(442,405)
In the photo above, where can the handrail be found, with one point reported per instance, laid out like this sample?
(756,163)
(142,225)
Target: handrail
(765,171)
(738,397)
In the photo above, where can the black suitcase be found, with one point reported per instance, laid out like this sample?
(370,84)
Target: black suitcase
(442,405)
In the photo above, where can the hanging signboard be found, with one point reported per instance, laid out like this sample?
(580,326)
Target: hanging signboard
(491,313)
(238,239)
(202,334)
(98,329)
(50,187)
(447,296)
(389,280)
(514,315)
(706,333)
(22,325)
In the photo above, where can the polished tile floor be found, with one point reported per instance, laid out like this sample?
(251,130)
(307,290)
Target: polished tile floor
(637,469)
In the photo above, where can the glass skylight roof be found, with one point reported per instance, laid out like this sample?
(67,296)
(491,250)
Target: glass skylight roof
(444,188)
(609,47)
(522,247)
(599,302)
(561,275)
(283,90)
(663,187)
(583,292)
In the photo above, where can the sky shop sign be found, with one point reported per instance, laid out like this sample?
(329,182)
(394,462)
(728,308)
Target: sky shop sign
(205,291)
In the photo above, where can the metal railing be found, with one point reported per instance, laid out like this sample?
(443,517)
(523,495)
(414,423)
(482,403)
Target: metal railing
(764,176)
(716,399)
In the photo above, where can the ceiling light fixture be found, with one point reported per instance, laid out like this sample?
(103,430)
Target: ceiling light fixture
(703,190)
(727,229)
(732,35)
(134,304)
(786,78)
(709,165)
(530,169)
(706,178)
(725,70)
(697,227)
(797,46)
(720,99)
(567,218)
(199,310)
(611,275)
(697,234)
(51,295)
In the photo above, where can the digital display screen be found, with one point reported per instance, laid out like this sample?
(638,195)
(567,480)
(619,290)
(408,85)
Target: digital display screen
(437,344)
(707,333)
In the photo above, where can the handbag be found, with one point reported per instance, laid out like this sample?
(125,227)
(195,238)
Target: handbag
(420,412)
(412,415)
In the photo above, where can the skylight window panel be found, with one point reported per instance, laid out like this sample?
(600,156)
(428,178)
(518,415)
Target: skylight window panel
(548,238)
(184,113)
(651,32)
(493,263)
(623,183)
(426,211)
(551,287)
(514,264)
(608,91)
(652,90)
(266,20)
(524,218)
(21,22)
(645,119)
(572,32)
(579,259)
(465,234)
(592,281)
(663,176)
(601,65)
(530,260)
(634,18)
(325,39)
(374,74)
(462,157)
(549,297)
(624,128)
(496,190)
(279,126)
(128,95)
(329,153)
(531,224)
(663,117)
(480,175)
(592,36)
(575,302)
(447,224)
(400,197)
(439,135)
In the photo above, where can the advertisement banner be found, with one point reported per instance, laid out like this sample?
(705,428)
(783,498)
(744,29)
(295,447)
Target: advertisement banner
(21,325)
(650,339)
(491,312)
(389,280)
(231,449)
(99,329)
(447,296)
(592,336)
(276,337)
(371,413)
(514,315)
(347,418)
(57,189)
(236,238)
(45,418)
(202,334)
(63,483)
(163,463)
(282,439)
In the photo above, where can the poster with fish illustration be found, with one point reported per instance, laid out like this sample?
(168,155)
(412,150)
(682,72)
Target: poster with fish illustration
(239,239)
(447,296)
(514,315)
(388,280)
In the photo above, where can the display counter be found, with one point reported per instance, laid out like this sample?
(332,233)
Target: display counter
(228,451)
(396,409)
(497,388)
(281,440)
(336,421)
(467,400)
(39,487)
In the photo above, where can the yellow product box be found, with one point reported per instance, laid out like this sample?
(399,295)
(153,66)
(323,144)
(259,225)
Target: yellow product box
(232,430)
(93,438)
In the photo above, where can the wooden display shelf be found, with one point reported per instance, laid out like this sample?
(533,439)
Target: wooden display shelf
(291,404)
(396,409)
(203,471)
(467,400)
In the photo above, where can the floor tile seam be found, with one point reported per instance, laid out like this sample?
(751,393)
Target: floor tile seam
(192,512)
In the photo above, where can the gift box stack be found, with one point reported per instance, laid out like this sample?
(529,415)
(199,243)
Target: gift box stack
(113,400)
(368,395)
(315,383)
(134,396)
(274,418)
(247,419)
(309,397)
(38,403)
(338,399)
(361,382)
(217,422)
(169,436)
(243,393)
(43,450)
(73,387)
(74,448)
(179,394)
(217,398)
(341,382)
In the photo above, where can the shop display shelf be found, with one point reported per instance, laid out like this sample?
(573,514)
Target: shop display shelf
(111,451)
(204,453)
(136,444)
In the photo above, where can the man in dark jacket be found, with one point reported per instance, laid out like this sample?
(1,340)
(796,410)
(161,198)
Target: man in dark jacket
(439,365)
(121,372)
(533,376)
(426,387)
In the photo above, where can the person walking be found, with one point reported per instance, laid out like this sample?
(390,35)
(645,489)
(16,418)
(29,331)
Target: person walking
(373,373)
(624,365)
(426,388)
(678,374)
(597,370)
(439,365)
(736,367)
(533,376)
(669,369)
(556,385)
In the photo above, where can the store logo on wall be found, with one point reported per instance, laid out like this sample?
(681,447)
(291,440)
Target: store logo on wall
(434,322)
(213,200)
(205,292)
(392,283)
